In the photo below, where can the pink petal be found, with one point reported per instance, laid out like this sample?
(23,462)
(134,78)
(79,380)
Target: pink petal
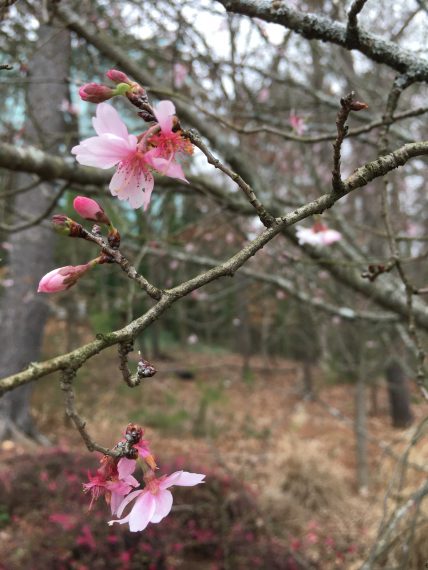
(132,481)
(182,478)
(107,121)
(115,501)
(142,512)
(168,167)
(127,500)
(132,182)
(163,506)
(164,111)
(187,479)
(170,480)
(121,521)
(125,467)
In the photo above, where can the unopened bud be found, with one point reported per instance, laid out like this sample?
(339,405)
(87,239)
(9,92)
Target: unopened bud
(96,93)
(358,106)
(62,278)
(118,76)
(145,369)
(90,210)
(133,433)
(113,238)
(66,226)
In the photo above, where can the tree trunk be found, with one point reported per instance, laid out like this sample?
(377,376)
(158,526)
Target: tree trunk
(360,427)
(23,312)
(399,395)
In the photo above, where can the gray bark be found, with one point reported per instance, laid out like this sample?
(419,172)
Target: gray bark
(399,395)
(23,312)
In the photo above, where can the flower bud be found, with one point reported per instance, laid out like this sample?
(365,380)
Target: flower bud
(118,76)
(90,210)
(66,226)
(133,433)
(358,106)
(145,369)
(62,278)
(113,238)
(96,93)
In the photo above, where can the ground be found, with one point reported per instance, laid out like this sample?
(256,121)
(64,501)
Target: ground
(296,456)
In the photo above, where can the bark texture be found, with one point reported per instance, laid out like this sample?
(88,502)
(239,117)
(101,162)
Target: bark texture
(23,312)
(399,395)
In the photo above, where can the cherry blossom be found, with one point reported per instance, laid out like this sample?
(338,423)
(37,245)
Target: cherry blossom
(167,143)
(114,146)
(113,481)
(154,502)
(122,486)
(62,278)
(297,123)
(319,235)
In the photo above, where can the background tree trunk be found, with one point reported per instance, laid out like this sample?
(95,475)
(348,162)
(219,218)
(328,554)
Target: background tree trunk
(399,395)
(23,312)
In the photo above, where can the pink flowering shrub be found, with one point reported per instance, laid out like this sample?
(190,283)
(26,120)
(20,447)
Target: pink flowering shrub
(216,529)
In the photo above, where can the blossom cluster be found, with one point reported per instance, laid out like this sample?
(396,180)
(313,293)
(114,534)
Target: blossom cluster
(63,278)
(114,479)
(318,235)
(135,157)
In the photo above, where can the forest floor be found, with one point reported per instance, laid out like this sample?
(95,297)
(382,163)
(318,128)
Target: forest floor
(298,456)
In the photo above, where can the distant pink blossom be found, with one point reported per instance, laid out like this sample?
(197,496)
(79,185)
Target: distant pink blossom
(113,146)
(263,95)
(62,278)
(180,74)
(7,282)
(192,339)
(154,502)
(66,521)
(67,107)
(297,123)
(319,235)
(86,538)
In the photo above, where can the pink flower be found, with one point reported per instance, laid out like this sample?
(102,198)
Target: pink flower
(168,143)
(318,235)
(66,521)
(96,93)
(86,538)
(154,502)
(263,95)
(297,124)
(180,74)
(90,210)
(125,482)
(113,481)
(62,278)
(115,146)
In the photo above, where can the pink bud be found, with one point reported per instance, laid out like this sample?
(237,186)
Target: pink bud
(62,278)
(118,76)
(90,210)
(96,93)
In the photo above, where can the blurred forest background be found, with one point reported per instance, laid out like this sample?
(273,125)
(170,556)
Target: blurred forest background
(294,384)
